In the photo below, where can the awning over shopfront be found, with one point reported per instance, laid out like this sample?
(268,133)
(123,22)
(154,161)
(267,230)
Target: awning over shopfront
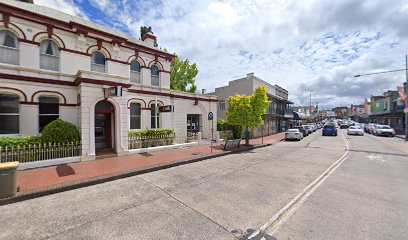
(299,116)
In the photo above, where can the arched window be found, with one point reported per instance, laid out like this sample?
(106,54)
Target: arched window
(135,71)
(155,75)
(135,116)
(48,110)
(49,55)
(155,119)
(98,62)
(9,114)
(8,48)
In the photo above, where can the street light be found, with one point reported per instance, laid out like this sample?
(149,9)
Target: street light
(405,90)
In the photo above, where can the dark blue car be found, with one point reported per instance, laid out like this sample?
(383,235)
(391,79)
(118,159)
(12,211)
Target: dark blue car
(329,130)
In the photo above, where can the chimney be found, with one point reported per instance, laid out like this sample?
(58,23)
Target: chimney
(149,37)
(251,74)
(203,91)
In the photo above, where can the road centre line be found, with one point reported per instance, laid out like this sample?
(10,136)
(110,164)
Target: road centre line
(284,213)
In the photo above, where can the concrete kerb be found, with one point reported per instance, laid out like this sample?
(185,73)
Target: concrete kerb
(40,192)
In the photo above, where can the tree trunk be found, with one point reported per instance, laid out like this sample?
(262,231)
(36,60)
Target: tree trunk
(246,135)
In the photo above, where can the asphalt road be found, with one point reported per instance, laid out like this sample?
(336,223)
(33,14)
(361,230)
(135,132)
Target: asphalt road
(365,198)
(232,196)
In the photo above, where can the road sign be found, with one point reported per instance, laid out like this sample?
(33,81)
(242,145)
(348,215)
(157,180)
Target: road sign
(406,110)
(210,116)
(167,108)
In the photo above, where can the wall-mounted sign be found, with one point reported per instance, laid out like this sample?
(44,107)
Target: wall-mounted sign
(113,91)
(167,108)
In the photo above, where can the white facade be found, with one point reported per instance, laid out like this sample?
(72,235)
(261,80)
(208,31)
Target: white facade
(78,87)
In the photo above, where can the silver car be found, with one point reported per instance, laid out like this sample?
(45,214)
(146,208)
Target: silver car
(355,130)
(384,130)
(294,134)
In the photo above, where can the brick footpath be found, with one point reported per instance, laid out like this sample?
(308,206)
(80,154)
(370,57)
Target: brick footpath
(66,174)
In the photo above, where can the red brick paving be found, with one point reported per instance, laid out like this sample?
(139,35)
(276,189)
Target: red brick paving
(48,176)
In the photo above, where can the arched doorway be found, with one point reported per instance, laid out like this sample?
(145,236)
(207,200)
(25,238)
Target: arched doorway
(104,127)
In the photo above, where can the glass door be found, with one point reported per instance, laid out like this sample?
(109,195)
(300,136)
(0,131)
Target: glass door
(101,131)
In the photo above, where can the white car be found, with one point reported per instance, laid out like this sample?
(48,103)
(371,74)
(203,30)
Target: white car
(384,130)
(355,130)
(295,134)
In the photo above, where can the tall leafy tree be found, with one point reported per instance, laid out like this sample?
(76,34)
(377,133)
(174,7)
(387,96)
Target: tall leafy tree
(247,111)
(182,75)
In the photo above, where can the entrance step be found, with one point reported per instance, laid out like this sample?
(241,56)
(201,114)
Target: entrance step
(105,153)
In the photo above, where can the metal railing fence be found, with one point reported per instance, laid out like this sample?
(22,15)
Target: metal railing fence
(39,152)
(136,142)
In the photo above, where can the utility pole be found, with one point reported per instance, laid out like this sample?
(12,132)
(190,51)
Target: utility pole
(310,105)
(406,99)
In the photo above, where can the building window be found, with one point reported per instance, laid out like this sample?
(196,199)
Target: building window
(153,118)
(48,111)
(155,75)
(8,48)
(49,55)
(98,62)
(135,116)
(222,105)
(135,71)
(9,114)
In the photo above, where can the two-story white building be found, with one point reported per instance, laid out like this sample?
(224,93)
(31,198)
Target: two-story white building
(54,65)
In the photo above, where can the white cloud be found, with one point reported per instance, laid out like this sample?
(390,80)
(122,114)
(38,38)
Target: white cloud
(300,45)
(66,6)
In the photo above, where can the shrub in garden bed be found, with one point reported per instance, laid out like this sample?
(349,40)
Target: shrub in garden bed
(151,137)
(60,131)
(18,141)
(223,125)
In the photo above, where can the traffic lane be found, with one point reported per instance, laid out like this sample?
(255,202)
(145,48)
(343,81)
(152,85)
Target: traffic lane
(365,198)
(163,218)
(248,197)
(195,174)
(86,213)
(371,143)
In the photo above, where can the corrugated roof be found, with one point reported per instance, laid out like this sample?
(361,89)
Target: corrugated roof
(55,14)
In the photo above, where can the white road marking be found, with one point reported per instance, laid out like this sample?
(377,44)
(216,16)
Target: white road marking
(378,158)
(284,213)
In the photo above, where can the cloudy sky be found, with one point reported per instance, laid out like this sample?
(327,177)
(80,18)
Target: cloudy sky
(308,46)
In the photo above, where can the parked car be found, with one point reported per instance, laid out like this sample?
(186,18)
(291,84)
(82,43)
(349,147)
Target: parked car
(313,126)
(384,130)
(344,125)
(329,130)
(308,128)
(371,128)
(293,134)
(303,130)
(355,130)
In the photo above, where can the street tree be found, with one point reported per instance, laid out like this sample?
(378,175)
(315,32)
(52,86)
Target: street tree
(247,111)
(182,75)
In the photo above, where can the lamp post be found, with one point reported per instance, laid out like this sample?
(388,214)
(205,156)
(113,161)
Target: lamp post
(405,90)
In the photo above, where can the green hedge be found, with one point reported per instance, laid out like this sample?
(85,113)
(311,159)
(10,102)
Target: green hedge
(223,125)
(151,132)
(60,131)
(18,141)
